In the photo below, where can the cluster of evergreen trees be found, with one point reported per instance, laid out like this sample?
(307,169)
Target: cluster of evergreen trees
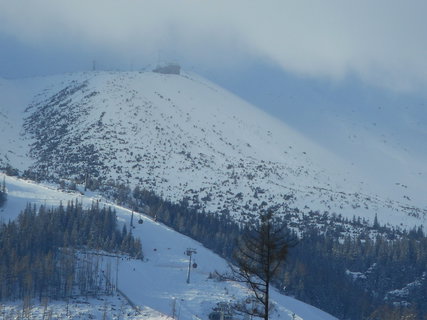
(38,256)
(357,278)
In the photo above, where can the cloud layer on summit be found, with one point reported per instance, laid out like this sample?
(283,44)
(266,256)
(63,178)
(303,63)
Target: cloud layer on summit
(381,42)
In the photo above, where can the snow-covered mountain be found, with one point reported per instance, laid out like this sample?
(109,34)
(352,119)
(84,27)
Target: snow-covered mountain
(186,138)
(155,286)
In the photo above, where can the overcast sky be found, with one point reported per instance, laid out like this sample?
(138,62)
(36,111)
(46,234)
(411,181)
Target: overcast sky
(382,42)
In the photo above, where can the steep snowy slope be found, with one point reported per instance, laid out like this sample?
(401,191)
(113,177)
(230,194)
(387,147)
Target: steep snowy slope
(15,96)
(186,138)
(154,285)
(382,136)
(379,132)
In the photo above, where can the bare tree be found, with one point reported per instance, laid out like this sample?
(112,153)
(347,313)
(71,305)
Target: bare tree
(260,253)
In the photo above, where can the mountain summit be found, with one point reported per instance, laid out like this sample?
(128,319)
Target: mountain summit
(186,139)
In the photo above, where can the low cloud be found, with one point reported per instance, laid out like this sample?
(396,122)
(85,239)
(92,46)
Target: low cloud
(382,42)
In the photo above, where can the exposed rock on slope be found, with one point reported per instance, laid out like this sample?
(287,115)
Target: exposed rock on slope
(186,138)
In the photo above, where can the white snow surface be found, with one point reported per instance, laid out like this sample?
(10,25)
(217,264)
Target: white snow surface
(184,137)
(153,284)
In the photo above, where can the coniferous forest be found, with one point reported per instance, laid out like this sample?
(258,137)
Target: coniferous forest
(40,252)
(380,273)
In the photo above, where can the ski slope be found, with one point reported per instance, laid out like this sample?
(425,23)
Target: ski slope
(158,283)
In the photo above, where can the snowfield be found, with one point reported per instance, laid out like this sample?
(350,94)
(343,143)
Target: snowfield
(157,285)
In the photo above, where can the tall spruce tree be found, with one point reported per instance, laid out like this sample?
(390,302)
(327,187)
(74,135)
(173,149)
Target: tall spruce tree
(3,194)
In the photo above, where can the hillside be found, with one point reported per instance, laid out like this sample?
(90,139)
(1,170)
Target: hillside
(185,138)
(153,284)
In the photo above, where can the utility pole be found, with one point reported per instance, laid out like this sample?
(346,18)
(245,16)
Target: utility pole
(189,253)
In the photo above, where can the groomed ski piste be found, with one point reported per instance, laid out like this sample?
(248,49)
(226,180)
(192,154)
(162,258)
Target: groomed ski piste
(155,288)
